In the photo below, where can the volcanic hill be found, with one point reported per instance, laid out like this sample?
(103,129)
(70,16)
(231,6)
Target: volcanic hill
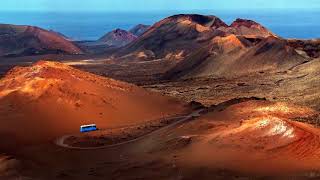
(201,46)
(231,56)
(17,40)
(118,38)
(50,99)
(177,36)
(251,137)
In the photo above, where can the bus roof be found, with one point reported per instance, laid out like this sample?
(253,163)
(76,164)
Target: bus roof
(88,125)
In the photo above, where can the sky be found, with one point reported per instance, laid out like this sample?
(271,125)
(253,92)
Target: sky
(152,5)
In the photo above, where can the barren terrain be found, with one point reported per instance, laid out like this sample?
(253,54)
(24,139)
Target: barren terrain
(189,98)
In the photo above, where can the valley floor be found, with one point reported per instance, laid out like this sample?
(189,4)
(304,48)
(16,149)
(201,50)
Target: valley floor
(238,139)
(166,154)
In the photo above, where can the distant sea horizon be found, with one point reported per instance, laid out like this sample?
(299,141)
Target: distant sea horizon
(294,23)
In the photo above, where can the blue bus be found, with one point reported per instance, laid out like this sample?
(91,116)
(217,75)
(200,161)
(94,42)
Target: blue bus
(88,128)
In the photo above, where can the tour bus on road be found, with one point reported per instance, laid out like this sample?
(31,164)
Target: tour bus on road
(88,128)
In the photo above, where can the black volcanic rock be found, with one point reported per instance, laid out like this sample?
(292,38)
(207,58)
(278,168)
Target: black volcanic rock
(118,38)
(310,47)
(139,29)
(16,40)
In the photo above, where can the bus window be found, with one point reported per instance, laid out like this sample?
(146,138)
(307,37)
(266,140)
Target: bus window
(88,128)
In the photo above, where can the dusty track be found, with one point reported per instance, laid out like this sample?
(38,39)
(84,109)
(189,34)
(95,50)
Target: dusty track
(60,141)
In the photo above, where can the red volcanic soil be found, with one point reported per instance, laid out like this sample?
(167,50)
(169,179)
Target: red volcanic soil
(252,138)
(50,99)
(247,139)
(29,40)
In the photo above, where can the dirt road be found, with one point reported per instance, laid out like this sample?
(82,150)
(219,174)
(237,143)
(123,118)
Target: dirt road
(61,141)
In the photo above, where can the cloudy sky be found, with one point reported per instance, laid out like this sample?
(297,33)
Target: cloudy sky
(150,5)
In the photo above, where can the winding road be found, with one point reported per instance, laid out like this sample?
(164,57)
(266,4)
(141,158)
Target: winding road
(60,141)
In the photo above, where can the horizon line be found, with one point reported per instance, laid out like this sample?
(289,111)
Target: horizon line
(156,10)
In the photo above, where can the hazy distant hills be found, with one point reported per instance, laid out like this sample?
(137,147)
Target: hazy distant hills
(18,40)
(118,38)
(29,40)
(113,40)
(121,37)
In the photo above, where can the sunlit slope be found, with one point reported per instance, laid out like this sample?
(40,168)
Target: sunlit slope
(251,137)
(50,99)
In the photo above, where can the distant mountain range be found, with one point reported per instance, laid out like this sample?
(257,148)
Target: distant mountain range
(178,36)
(206,46)
(199,45)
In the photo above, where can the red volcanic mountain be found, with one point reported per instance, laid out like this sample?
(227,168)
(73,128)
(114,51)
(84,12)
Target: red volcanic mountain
(29,40)
(118,38)
(235,55)
(178,36)
(206,46)
(51,99)
(175,37)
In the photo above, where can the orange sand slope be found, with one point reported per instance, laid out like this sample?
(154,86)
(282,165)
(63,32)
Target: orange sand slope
(50,99)
(251,137)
